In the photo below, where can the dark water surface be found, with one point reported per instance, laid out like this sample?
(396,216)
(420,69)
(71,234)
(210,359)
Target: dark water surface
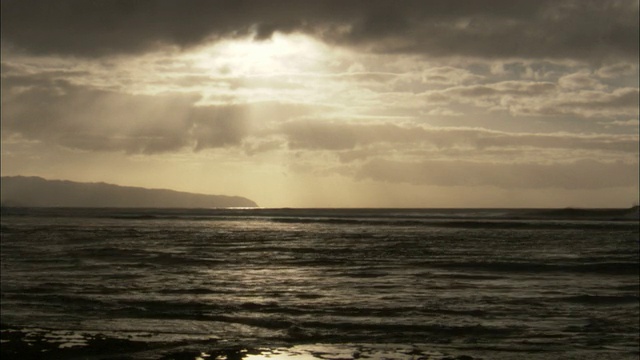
(333,284)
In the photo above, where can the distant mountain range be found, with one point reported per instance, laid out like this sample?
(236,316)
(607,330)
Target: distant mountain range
(21,191)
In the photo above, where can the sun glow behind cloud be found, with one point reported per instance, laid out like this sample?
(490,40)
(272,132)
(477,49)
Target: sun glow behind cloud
(286,68)
(279,55)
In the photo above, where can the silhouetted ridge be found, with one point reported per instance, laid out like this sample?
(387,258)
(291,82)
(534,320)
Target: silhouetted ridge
(38,192)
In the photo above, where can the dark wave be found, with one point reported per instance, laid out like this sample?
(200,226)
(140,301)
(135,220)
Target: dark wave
(336,216)
(601,299)
(463,276)
(139,257)
(464,224)
(576,213)
(611,268)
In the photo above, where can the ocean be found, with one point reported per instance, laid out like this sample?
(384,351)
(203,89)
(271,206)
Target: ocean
(331,284)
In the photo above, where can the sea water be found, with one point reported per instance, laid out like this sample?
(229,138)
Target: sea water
(323,283)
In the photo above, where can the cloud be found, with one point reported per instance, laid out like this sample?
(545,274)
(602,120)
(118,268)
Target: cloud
(490,95)
(447,75)
(45,108)
(77,117)
(319,135)
(580,80)
(215,127)
(621,102)
(617,70)
(631,122)
(323,135)
(576,94)
(581,30)
(585,174)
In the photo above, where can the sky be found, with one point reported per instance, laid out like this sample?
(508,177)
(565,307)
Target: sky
(440,103)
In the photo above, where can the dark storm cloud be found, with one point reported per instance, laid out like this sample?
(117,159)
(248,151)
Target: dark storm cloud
(579,29)
(56,112)
(585,174)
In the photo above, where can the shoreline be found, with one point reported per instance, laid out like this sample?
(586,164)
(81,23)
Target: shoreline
(40,344)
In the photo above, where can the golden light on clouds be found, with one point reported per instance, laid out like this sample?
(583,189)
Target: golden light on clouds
(333,110)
